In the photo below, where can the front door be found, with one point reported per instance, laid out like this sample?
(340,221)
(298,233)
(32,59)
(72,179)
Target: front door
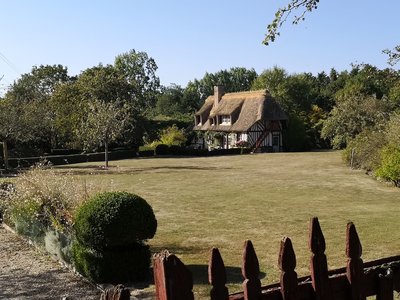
(276,141)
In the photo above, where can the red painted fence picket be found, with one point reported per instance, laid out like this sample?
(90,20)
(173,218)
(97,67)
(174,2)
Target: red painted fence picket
(356,281)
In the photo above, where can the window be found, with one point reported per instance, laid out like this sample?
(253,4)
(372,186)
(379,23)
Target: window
(225,120)
(198,120)
(211,121)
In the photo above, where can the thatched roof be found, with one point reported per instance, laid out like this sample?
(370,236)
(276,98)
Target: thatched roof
(245,109)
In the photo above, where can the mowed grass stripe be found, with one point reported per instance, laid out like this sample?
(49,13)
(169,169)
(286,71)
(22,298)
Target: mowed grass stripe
(221,201)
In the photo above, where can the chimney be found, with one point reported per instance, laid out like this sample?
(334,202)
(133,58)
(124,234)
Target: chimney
(218,93)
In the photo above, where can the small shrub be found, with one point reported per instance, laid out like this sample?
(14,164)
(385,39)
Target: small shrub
(161,149)
(114,219)
(110,231)
(176,150)
(6,189)
(173,136)
(46,196)
(26,219)
(365,149)
(112,266)
(146,153)
(390,165)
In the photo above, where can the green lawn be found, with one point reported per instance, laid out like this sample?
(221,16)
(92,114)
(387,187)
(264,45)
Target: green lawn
(222,201)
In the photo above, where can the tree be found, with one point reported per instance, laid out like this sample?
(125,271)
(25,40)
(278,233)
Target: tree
(10,127)
(21,122)
(39,84)
(103,123)
(68,106)
(270,79)
(351,116)
(169,101)
(305,6)
(104,83)
(139,71)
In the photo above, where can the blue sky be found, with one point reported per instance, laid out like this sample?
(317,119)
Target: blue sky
(189,38)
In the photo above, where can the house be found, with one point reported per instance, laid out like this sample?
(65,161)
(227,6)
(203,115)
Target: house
(252,119)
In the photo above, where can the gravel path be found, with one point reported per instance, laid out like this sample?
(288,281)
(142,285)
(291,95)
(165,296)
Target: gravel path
(25,273)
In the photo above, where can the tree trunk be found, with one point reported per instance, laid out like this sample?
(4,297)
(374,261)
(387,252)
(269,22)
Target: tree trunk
(106,154)
(5,155)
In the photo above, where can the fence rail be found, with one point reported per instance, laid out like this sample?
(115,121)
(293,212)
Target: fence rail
(356,281)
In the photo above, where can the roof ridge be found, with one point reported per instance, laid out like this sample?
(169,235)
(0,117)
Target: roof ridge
(248,92)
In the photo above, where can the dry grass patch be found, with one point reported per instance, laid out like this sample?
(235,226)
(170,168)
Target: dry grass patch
(221,201)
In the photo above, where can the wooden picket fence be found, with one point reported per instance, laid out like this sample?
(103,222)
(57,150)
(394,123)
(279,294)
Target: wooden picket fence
(356,281)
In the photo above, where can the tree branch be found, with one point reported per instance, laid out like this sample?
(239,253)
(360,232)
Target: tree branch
(282,15)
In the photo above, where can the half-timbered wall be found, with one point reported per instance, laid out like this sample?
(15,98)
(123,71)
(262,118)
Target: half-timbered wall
(256,131)
(273,138)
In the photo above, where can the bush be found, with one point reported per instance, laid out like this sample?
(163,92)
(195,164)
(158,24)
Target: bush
(110,231)
(113,266)
(390,165)
(146,153)
(161,149)
(114,219)
(6,189)
(26,218)
(45,196)
(366,149)
(176,150)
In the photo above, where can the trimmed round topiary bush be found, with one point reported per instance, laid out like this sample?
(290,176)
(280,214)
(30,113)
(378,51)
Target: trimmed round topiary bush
(111,230)
(114,219)
(113,266)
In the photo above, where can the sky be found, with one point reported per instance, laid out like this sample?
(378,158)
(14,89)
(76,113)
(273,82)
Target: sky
(189,38)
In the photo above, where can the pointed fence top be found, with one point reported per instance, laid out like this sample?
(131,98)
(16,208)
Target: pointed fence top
(287,257)
(353,244)
(316,240)
(250,265)
(216,269)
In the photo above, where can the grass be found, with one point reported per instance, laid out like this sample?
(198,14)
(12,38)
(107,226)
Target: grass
(221,201)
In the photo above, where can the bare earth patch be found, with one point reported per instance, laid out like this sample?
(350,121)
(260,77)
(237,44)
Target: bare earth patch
(25,273)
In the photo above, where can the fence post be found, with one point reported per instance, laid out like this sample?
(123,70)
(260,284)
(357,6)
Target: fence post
(354,269)
(318,263)
(217,276)
(251,272)
(172,279)
(385,289)
(287,264)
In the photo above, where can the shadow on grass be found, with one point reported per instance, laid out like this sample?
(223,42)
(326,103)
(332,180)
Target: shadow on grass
(233,274)
(200,271)
(95,170)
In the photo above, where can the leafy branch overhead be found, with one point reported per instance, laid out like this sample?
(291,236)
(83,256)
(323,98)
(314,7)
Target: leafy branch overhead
(283,14)
(394,55)
(304,6)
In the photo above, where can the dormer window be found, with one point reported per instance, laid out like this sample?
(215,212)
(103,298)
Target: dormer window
(198,120)
(225,120)
(212,123)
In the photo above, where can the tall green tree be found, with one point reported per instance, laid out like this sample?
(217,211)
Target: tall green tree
(39,84)
(139,71)
(270,79)
(170,101)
